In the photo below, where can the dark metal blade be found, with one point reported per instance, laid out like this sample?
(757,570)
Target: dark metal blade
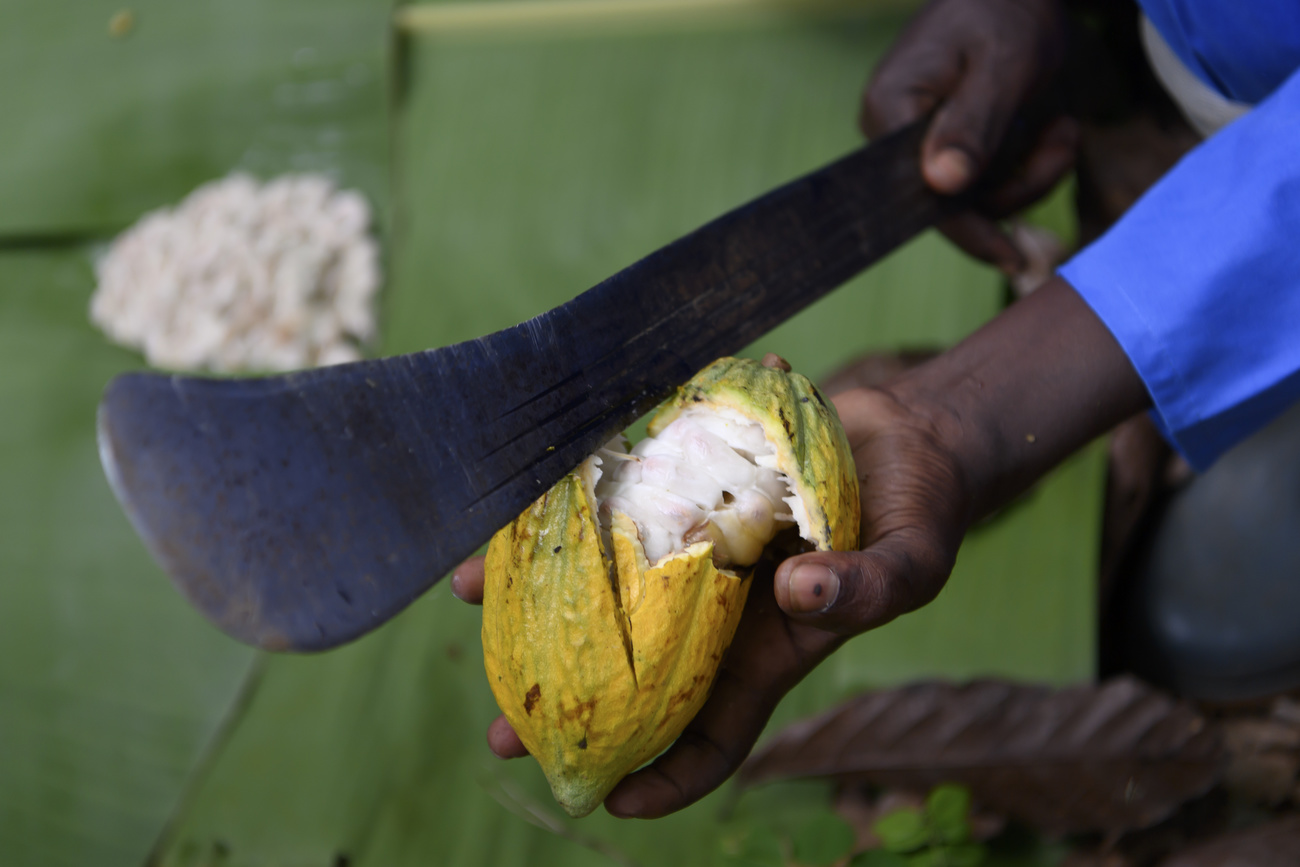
(299,511)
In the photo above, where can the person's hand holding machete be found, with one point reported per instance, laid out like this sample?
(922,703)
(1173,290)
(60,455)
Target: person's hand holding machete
(950,441)
(975,64)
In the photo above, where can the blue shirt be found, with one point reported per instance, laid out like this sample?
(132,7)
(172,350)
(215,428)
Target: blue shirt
(1243,49)
(1200,280)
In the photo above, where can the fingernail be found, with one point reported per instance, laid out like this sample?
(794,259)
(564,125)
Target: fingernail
(950,170)
(813,588)
(455,586)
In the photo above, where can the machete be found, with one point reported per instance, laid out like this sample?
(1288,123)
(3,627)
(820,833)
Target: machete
(300,511)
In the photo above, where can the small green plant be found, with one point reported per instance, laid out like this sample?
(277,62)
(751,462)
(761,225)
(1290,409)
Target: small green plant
(936,836)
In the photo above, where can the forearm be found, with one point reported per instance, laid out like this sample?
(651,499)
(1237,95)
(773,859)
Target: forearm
(1022,393)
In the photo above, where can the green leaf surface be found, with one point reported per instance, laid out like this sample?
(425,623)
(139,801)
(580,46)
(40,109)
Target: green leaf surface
(946,809)
(878,858)
(903,830)
(823,840)
(110,684)
(101,128)
(751,846)
(959,855)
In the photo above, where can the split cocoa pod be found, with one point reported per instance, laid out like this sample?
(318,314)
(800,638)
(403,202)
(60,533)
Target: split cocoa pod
(609,603)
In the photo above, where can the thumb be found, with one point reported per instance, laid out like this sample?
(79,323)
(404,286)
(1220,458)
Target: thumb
(851,592)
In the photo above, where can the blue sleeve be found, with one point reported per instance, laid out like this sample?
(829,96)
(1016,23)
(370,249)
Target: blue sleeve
(1200,281)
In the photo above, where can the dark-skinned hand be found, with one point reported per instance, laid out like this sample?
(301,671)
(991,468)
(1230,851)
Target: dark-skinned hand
(913,525)
(975,64)
(935,449)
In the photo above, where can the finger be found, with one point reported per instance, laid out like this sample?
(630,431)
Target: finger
(851,592)
(980,237)
(907,85)
(768,656)
(969,126)
(503,741)
(702,758)
(976,231)
(1052,156)
(467,581)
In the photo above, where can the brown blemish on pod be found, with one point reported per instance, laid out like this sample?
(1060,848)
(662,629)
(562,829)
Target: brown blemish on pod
(583,710)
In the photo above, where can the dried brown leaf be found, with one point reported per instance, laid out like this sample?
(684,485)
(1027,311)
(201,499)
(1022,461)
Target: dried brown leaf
(1108,757)
(1263,764)
(1275,844)
(1286,710)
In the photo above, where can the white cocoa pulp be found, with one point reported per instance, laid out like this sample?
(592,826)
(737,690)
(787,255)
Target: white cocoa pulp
(245,276)
(710,475)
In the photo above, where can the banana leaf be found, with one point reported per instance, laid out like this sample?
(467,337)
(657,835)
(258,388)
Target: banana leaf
(111,686)
(114,109)
(112,690)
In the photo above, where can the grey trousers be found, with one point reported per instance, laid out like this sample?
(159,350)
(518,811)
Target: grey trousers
(1213,609)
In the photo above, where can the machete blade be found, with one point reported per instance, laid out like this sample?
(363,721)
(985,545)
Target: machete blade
(299,511)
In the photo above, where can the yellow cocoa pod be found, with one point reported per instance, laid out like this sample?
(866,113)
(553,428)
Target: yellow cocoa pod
(609,603)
